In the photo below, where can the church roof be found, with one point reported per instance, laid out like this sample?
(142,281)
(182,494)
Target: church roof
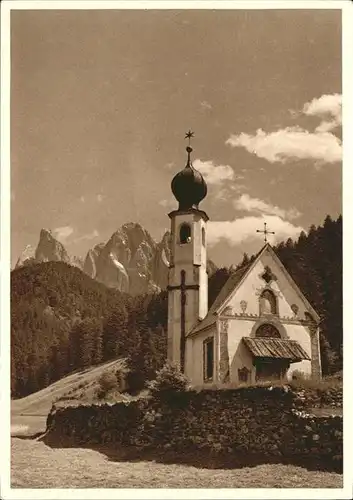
(234,281)
(275,348)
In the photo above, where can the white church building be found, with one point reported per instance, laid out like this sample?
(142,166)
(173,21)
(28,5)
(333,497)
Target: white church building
(260,326)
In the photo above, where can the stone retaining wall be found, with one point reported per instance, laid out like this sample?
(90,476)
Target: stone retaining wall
(317,398)
(267,422)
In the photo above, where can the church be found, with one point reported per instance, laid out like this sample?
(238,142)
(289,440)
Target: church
(260,326)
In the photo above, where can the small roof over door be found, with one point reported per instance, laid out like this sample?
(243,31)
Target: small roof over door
(275,348)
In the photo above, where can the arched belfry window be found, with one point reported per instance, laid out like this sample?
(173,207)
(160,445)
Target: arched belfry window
(267,331)
(185,233)
(268,303)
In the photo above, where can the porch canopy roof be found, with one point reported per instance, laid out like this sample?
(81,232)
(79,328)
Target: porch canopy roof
(275,348)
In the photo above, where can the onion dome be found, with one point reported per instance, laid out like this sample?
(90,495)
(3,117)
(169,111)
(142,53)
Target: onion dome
(188,186)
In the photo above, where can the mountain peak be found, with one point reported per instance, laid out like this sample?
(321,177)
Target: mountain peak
(50,249)
(130,261)
(46,232)
(131,226)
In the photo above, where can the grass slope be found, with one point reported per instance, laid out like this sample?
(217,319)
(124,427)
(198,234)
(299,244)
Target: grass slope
(28,415)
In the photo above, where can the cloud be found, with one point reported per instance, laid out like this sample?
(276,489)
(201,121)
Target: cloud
(62,233)
(328,107)
(82,199)
(326,126)
(290,143)
(297,143)
(99,198)
(327,104)
(89,236)
(214,174)
(168,203)
(248,204)
(205,105)
(227,192)
(222,194)
(244,229)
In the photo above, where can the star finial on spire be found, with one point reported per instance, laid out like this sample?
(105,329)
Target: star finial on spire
(189,135)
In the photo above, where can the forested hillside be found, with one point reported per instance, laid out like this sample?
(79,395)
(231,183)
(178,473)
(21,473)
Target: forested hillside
(62,320)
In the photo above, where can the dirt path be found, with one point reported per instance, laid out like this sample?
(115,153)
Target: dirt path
(35,465)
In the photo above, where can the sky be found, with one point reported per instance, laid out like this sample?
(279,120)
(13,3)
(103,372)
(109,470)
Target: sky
(101,101)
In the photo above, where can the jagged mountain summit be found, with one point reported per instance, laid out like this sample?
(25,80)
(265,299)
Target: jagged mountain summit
(26,257)
(48,249)
(130,261)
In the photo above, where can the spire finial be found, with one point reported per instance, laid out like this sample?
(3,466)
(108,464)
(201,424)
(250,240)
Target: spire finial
(189,136)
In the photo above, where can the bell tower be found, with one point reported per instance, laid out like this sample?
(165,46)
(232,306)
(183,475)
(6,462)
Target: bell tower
(188,281)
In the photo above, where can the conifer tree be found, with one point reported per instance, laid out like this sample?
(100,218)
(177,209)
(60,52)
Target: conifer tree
(115,333)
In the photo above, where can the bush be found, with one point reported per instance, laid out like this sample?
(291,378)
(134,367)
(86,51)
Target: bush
(299,375)
(324,385)
(106,382)
(169,380)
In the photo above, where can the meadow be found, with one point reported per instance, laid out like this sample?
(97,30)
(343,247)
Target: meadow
(35,465)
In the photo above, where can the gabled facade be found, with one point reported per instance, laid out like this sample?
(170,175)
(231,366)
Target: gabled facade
(260,326)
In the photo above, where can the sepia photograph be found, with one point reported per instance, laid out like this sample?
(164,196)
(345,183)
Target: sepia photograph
(171,250)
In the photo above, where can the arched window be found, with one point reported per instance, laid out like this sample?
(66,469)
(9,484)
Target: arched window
(268,331)
(268,303)
(203,233)
(185,233)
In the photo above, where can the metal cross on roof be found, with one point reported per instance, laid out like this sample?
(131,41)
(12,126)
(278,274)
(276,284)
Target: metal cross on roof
(265,231)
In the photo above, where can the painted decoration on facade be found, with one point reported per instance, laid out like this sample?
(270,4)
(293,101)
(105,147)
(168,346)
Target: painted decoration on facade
(267,330)
(268,275)
(223,352)
(243,305)
(295,309)
(309,317)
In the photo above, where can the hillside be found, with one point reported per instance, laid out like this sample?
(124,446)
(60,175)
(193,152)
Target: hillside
(62,320)
(71,386)
(29,414)
(48,301)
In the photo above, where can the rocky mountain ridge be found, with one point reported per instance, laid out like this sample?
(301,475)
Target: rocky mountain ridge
(130,261)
